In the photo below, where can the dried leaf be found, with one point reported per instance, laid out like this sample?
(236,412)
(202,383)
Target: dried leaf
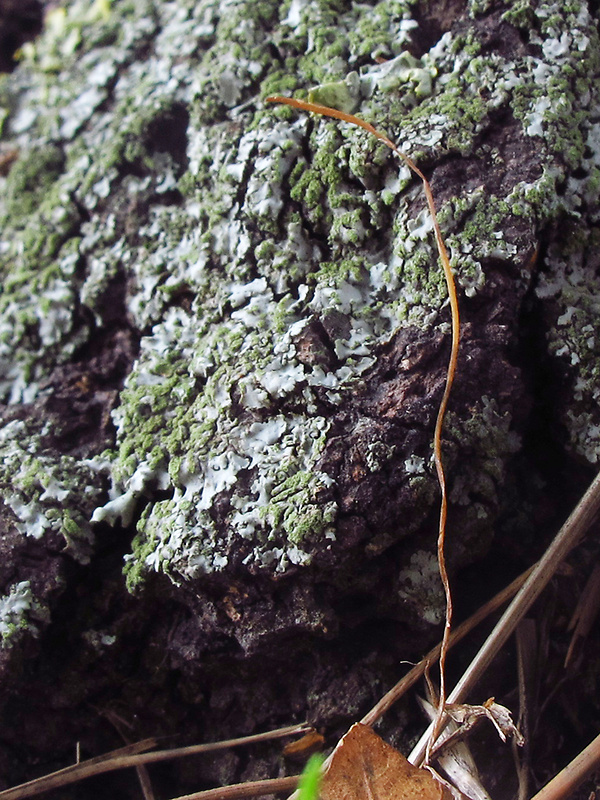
(304,746)
(456,760)
(452,754)
(500,717)
(364,767)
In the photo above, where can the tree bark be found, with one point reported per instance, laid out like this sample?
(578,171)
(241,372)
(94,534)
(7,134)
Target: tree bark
(223,341)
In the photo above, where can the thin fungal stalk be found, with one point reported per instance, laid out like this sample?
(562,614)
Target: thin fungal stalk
(326,111)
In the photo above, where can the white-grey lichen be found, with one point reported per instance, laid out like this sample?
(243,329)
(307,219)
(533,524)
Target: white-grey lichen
(259,239)
(47,492)
(19,612)
(419,587)
(569,291)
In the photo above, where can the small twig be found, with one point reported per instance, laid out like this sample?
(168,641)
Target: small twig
(250,789)
(568,779)
(567,537)
(120,759)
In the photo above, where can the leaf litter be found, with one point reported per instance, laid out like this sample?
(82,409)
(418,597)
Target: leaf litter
(364,767)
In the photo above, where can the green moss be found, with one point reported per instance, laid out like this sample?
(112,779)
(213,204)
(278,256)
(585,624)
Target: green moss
(20,611)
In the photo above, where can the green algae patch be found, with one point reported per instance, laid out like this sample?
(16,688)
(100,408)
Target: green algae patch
(30,178)
(295,508)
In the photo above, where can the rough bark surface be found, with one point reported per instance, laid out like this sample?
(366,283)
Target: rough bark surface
(223,342)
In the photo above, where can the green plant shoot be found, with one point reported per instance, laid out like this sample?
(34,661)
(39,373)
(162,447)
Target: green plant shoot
(310,780)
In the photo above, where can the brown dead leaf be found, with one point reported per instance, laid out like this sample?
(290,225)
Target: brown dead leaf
(467,716)
(305,746)
(364,767)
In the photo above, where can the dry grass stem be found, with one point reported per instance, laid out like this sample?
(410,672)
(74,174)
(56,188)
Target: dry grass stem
(145,783)
(567,537)
(125,757)
(326,111)
(417,672)
(457,761)
(62,777)
(250,789)
(142,773)
(585,614)
(568,779)
(411,677)
(526,637)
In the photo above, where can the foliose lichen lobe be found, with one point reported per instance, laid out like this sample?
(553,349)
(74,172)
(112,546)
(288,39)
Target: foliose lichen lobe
(45,492)
(15,608)
(265,256)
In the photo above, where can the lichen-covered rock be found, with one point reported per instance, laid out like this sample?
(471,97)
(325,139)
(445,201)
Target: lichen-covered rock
(275,425)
